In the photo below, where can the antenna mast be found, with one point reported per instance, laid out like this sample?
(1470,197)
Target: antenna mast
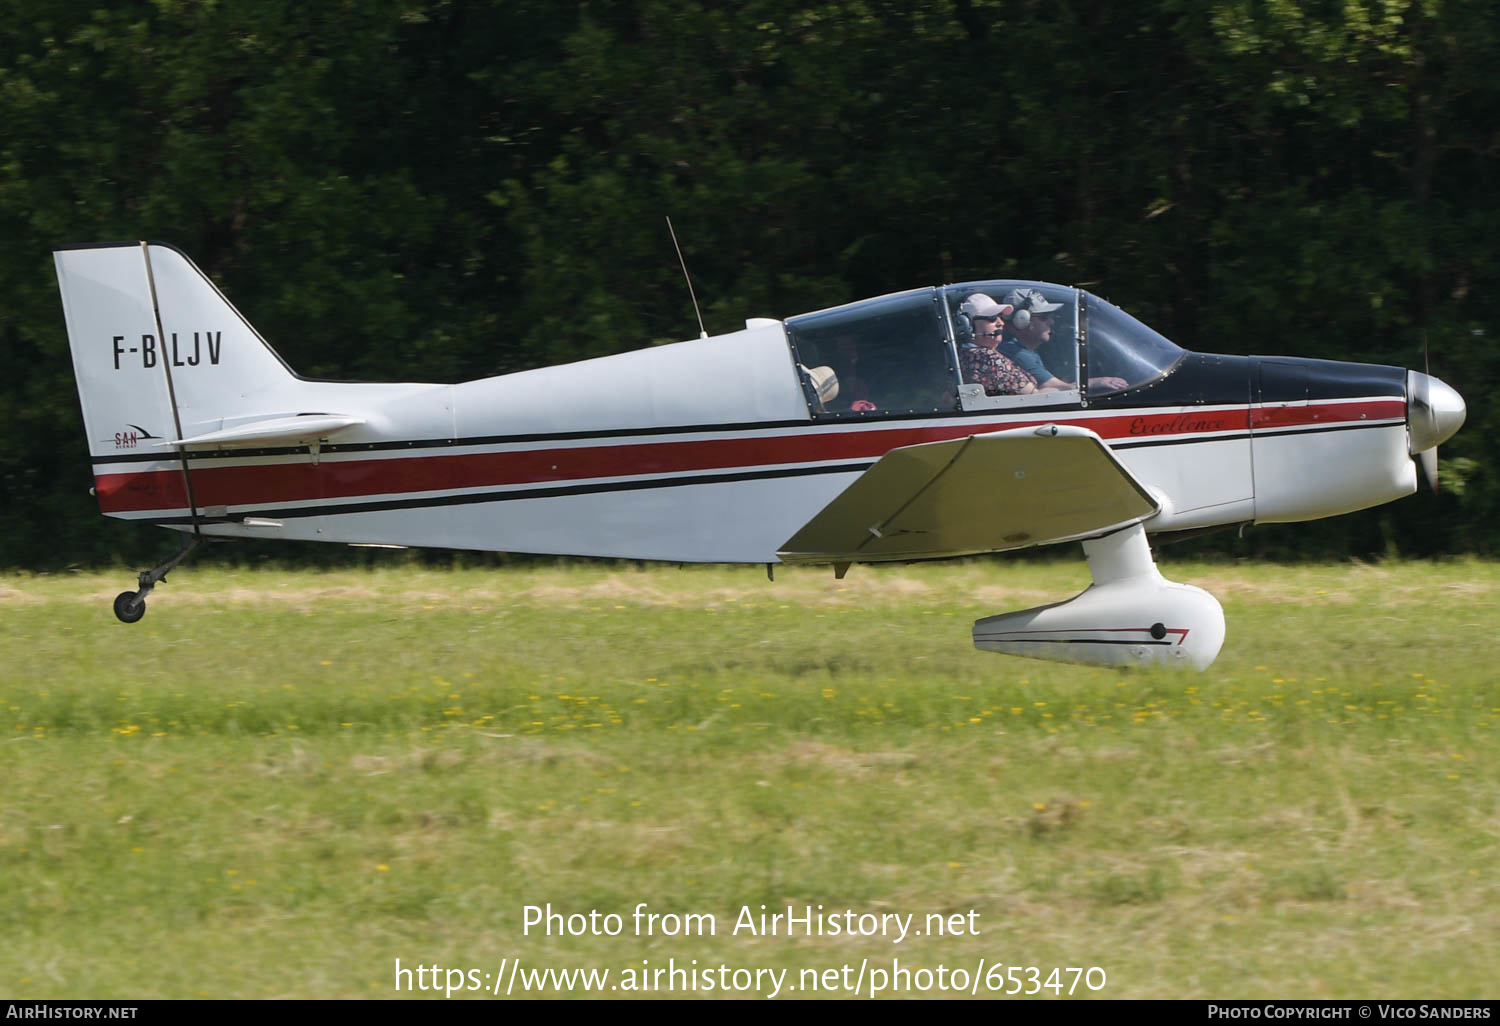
(701,332)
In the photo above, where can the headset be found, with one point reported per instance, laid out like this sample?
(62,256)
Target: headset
(1025,298)
(963,328)
(1021,319)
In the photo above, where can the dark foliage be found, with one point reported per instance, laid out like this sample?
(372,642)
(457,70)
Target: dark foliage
(434,189)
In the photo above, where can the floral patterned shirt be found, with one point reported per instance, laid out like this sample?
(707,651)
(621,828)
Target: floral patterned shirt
(996,372)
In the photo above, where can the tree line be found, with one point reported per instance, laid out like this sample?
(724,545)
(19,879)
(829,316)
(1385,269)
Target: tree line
(437,190)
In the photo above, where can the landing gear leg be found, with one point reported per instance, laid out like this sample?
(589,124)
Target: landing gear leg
(130,606)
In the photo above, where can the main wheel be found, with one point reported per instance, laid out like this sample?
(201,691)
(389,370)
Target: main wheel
(127,608)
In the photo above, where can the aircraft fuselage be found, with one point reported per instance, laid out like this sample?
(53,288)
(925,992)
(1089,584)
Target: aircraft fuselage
(694,473)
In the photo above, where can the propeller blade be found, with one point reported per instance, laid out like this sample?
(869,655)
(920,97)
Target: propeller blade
(1428,459)
(1422,393)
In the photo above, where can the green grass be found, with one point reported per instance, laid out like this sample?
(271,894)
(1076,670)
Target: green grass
(277,784)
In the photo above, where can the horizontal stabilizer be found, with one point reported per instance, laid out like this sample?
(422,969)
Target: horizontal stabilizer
(985,493)
(299,428)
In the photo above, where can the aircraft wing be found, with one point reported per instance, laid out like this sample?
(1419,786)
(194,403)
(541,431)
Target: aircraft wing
(985,493)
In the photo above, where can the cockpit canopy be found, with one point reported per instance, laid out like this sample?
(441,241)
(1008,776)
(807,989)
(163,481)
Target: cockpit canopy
(935,351)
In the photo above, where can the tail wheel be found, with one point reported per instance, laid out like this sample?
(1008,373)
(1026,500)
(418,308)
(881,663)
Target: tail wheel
(129,608)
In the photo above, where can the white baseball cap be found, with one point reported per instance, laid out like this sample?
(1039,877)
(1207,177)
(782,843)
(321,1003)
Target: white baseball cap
(982,306)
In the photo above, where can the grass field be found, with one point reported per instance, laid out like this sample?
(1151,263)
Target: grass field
(277,784)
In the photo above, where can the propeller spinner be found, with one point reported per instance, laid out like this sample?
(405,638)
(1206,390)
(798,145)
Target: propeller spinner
(1434,413)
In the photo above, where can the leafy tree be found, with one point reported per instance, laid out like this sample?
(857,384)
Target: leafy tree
(442,189)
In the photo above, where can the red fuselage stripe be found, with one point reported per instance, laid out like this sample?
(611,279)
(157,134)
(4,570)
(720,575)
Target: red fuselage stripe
(332,478)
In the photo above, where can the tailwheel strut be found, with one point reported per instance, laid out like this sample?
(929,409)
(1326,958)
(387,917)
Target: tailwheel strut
(130,606)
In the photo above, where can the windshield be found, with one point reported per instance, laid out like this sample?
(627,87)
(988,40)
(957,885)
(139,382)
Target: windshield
(1123,352)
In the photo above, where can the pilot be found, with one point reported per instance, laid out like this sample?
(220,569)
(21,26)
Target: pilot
(1029,327)
(979,358)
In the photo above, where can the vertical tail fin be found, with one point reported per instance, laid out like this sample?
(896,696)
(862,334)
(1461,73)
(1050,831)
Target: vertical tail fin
(158,352)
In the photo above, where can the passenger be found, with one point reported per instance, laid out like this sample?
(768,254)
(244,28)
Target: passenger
(853,385)
(1030,326)
(979,358)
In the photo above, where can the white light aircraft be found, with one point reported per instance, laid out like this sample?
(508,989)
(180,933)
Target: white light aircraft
(843,436)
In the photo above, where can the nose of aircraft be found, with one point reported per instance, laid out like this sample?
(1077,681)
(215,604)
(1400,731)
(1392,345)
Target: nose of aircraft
(1434,411)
